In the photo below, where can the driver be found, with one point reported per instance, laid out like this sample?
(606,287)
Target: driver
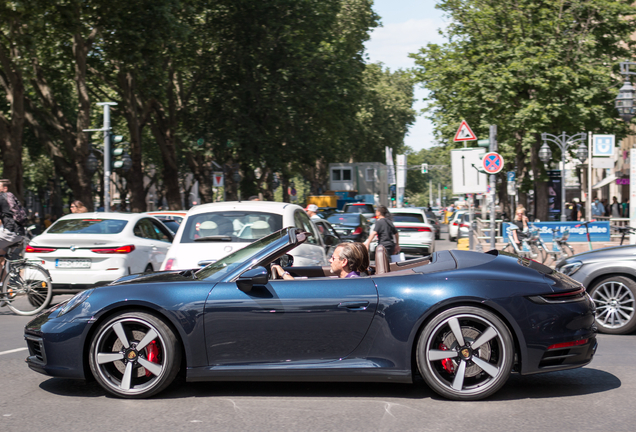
(348,260)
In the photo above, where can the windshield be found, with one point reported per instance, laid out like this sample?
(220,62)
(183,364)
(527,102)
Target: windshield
(232,261)
(364,208)
(87,226)
(233,226)
(344,219)
(407,217)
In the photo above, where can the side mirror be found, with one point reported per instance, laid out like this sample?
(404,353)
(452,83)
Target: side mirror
(255,276)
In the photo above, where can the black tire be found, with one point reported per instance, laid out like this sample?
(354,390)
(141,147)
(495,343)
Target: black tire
(127,371)
(457,370)
(28,287)
(615,299)
(148,268)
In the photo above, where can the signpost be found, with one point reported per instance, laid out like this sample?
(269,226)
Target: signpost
(492,163)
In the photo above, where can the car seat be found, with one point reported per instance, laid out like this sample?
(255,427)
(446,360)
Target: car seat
(260,229)
(382,262)
(208,228)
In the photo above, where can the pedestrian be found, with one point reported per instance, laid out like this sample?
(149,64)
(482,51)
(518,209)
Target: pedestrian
(615,208)
(521,221)
(312,211)
(10,232)
(576,214)
(625,206)
(388,235)
(597,208)
(78,207)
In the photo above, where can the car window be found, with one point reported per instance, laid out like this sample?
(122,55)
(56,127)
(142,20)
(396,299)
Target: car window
(301,220)
(87,226)
(365,208)
(160,232)
(235,226)
(145,229)
(344,218)
(408,217)
(320,227)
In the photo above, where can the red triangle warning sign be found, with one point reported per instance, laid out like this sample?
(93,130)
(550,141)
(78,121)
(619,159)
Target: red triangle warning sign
(464,133)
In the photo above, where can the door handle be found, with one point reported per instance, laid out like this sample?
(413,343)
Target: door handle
(354,305)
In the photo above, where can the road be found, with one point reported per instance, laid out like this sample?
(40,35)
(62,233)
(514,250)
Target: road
(596,398)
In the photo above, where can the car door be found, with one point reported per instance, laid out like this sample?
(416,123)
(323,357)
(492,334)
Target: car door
(288,321)
(148,244)
(163,238)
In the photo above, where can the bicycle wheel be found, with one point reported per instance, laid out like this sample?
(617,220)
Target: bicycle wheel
(27,289)
(566,250)
(538,254)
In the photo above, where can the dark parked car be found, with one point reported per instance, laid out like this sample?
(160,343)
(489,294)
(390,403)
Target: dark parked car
(609,275)
(433,220)
(350,226)
(462,320)
(363,208)
(330,237)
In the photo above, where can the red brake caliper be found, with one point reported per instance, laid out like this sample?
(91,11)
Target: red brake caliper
(447,363)
(152,354)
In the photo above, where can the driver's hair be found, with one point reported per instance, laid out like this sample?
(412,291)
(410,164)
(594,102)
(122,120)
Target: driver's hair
(356,254)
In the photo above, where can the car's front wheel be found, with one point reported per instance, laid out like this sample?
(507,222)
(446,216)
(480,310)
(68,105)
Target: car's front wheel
(465,353)
(614,297)
(134,355)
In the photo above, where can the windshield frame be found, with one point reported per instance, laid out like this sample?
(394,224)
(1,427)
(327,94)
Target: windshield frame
(263,250)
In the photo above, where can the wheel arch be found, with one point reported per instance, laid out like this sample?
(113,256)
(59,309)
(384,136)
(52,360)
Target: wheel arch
(123,308)
(515,331)
(598,277)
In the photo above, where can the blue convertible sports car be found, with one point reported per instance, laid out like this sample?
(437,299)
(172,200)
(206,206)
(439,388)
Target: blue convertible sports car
(462,320)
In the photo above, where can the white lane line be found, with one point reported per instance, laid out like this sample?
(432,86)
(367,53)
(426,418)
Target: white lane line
(13,351)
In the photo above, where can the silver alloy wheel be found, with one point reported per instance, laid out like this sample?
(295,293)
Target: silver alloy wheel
(614,304)
(465,353)
(121,356)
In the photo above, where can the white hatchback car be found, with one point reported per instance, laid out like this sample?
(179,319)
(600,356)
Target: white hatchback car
(84,249)
(211,231)
(454,223)
(417,235)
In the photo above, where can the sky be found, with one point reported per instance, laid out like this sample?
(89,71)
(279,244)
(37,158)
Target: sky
(407,25)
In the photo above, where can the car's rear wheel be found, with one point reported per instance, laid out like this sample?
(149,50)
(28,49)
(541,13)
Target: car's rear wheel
(465,353)
(134,355)
(615,299)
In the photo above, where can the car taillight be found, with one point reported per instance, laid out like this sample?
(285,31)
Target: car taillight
(119,250)
(568,344)
(32,249)
(424,229)
(169,263)
(464,226)
(455,223)
(357,230)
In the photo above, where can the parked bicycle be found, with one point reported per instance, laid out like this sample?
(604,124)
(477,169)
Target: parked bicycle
(26,287)
(526,248)
(624,231)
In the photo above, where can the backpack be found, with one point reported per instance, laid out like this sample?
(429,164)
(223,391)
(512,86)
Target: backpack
(17,211)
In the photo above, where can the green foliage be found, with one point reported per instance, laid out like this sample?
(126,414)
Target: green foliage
(529,67)
(417,184)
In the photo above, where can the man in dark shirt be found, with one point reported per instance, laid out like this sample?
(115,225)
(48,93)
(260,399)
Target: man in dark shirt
(388,235)
(9,230)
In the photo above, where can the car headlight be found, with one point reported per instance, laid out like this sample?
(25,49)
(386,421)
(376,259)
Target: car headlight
(570,268)
(74,302)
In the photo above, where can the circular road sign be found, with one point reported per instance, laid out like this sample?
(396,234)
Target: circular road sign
(492,163)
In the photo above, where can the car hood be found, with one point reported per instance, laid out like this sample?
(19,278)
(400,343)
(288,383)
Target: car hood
(153,277)
(619,253)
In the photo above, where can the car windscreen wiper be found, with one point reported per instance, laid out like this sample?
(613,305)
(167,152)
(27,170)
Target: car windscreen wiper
(214,238)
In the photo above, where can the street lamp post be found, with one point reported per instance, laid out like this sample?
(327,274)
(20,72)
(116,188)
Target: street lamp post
(564,142)
(624,104)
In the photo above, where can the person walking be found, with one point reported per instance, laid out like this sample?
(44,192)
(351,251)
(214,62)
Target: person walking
(388,235)
(615,208)
(597,208)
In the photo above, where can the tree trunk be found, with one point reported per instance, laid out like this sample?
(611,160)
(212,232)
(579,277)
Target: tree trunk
(540,187)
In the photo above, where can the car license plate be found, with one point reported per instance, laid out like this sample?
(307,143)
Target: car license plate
(73,263)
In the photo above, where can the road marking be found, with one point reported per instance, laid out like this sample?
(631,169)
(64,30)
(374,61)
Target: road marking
(13,351)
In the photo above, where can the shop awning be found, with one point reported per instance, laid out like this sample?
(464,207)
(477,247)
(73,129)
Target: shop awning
(607,180)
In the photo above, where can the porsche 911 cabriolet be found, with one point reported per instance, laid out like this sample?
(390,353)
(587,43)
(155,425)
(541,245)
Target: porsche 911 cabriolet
(462,320)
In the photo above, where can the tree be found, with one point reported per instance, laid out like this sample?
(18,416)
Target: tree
(530,67)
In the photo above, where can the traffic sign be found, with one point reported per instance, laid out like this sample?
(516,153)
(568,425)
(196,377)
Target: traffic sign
(217,179)
(466,171)
(603,145)
(511,176)
(464,133)
(492,163)
(512,188)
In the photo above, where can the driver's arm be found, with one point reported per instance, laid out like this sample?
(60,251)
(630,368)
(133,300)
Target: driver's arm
(281,273)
